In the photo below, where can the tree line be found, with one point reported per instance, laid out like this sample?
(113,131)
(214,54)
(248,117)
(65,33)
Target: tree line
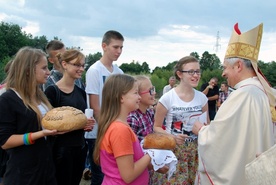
(12,38)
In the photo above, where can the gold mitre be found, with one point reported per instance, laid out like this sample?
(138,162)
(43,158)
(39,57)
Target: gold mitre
(245,45)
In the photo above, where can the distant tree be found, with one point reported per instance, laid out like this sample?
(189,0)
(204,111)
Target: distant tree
(133,68)
(12,38)
(2,67)
(159,83)
(161,73)
(39,42)
(145,67)
(157,68)
(209,61)
(127,68)
(195,54)
(268,69)
(271,75)
(168,67)
(161,78)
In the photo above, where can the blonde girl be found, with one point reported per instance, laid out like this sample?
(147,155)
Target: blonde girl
(22,107)
(117,148)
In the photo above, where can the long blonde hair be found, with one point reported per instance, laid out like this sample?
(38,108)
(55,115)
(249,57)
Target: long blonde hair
(22,78)
(114,88)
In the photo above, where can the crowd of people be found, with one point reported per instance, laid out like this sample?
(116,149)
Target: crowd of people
(217,130)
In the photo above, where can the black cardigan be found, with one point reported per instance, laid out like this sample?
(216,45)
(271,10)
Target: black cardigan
(28,165)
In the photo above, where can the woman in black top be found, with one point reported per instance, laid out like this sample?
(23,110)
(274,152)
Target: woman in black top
(69,149)
(22,107)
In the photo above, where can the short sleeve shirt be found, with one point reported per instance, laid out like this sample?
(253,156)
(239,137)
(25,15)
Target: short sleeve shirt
(120,140)
(96,76)
(182,115)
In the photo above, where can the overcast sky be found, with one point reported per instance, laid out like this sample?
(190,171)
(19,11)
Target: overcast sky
(155,31)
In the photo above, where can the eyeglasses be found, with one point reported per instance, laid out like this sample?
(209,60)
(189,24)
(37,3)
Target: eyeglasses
(192,72)
(151,91)
(77,65)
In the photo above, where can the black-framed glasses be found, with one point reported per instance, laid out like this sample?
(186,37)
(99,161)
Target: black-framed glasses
(192,72)
(77,65)
(151,91)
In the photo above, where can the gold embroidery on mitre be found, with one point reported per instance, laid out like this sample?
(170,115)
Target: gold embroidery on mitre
(246,45)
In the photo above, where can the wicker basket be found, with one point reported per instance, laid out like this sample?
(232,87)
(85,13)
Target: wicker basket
(262,170)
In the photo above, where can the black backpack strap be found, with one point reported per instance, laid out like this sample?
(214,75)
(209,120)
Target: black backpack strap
(57,103)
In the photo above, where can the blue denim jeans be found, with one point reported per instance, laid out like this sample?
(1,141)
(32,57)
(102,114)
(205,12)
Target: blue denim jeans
(97,174)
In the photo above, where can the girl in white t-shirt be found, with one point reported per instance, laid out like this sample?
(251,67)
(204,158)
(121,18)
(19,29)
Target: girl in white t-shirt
(181,107)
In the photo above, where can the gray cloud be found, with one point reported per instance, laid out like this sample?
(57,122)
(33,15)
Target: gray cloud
(150,26)
(143,18)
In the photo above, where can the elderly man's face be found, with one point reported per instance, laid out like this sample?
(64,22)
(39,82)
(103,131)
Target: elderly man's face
(172,81)
(229,73)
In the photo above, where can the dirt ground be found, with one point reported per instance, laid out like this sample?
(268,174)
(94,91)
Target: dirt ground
(85,182)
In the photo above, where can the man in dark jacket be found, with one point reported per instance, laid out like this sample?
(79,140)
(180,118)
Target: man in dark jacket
(211,90)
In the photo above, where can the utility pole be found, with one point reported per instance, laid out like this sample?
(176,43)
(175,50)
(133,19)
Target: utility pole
(217,45)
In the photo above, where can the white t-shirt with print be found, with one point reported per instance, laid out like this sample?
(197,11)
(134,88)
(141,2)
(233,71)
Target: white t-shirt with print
(181,115)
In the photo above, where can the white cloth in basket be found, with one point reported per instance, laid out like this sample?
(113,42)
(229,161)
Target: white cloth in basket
(160,158)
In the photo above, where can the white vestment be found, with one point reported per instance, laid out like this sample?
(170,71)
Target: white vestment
(241,129)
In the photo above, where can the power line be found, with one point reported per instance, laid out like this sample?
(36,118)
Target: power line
(217,45)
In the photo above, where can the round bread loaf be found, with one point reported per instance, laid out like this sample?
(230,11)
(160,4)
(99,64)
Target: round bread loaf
(64,118)
(159,141)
